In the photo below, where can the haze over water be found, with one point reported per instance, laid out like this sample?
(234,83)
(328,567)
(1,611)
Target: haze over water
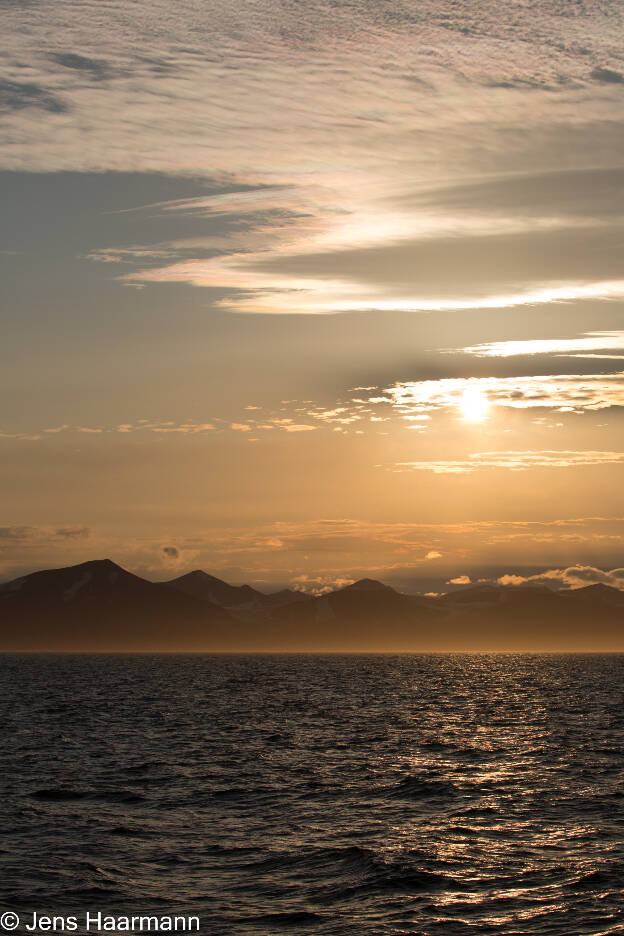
(318,794)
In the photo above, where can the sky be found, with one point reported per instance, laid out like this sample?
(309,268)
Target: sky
(302,291)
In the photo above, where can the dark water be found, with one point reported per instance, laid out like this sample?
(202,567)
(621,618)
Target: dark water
(368,795)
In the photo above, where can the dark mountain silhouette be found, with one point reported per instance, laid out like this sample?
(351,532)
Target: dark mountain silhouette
(98,606)
(474,594)
(200,584)
(364,615)
(604,594)
(535,617)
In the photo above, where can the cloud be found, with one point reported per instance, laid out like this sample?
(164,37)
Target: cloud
(460,580)
(433,554)
(570,578)
(30,534)
(21,436)
(562,392)
(97,69)
(18,95)
(27,548)
(417,401)
(321,585)
(591,345)
(515,461)
(402,273)
(73,533)
(607,76)
(172,552)
(298,427)
(142,425)
(350,543)
(169,427)
(188,428)
(559,196)
(19,533)
(358,125)
(365,73)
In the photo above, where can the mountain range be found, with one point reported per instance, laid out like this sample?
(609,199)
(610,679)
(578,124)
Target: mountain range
(99,607)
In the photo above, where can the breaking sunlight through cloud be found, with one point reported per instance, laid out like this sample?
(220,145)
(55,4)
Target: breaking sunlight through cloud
(563,393)
(474,404)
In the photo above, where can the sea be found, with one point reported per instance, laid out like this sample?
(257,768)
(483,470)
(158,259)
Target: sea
(298,794)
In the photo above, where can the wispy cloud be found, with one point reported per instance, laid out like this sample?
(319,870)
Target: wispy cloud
(23,436)
(514,461)
(592,344)
(23,536)
(400,273)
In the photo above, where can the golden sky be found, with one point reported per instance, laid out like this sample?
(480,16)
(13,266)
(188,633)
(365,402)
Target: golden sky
(298,293)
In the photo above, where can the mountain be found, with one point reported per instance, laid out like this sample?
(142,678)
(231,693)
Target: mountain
(366,615)
(599,593)
(370,616)
(242,598)
(473,595)
(535,618)
(208,588)
(99,606)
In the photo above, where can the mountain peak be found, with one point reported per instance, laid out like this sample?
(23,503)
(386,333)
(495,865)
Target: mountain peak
(98,569)
(201,585)
(598,588)
(368,584)
(93,567)
(99,564)
(598,591)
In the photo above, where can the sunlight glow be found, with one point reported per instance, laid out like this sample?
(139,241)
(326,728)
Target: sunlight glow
(474,404)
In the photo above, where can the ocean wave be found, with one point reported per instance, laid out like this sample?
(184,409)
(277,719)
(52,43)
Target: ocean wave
(417,787)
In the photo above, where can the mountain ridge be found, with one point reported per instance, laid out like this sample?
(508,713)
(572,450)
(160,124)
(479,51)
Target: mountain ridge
(99,606)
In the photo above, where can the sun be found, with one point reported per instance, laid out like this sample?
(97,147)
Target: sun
(474,404)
